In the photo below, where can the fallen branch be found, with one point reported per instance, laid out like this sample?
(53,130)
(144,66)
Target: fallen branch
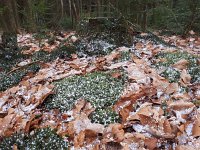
(22,67)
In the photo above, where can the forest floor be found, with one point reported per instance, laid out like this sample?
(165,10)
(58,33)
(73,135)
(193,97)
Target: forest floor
(68,92)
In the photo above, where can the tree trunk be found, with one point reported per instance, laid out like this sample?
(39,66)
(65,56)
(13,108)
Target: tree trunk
(193,16)
(10,25)
(26,17)
(98,8)
(144,22)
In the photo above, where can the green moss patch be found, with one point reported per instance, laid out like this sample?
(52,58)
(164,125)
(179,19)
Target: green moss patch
(62,52)
(99,36)
(173,74)
(99,88)
(125,56)
(42,139)
(153,38)
(105,116)
(9,80)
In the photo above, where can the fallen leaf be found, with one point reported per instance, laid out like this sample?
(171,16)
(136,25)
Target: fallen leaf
(146,120)
(185,77)
(151,143)
(90,136)
(159,134)
(196,128)
(181,64)
(167,127)
(181,105)
(116,75)
(118,132)
(112,56)
(15,147)
(79,140)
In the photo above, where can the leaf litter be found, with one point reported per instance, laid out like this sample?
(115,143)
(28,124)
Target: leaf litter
(155,113)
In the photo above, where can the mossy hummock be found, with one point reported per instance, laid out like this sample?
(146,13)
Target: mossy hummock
(100,89)
(41,139)
(172,73)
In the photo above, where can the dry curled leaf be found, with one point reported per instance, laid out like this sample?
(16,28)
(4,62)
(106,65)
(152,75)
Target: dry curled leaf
(114,55)
(90,136)
(79,140)
(118,132)
(114,132)
(185,77)
(147,120)
(151,143)
(167,127)
(181,64)
(15,147)
(159,134)
(116,75)
(181,105)
(196,128)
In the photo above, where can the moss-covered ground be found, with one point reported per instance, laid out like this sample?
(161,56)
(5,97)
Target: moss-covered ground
(41,139)
(99,88)
(172,73)
(8,80)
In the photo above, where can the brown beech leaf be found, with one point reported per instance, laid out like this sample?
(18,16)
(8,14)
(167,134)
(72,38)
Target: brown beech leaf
(116,75)
(139,46)
(124,113)
(96,147)
(185,77)
(100,62)
(197,94)
(98,128)
(15,147)
(181,64)
(79,105)
(159,134)
(182,96)
(167,127)
(151,143)
(136,73)
(181,128)
(88,109)
(113,133)
(70,129)
(90,136)
(114,55)
(147,120)
(196,128)
(28,124)
(160,83)
(14,89)
(181,105)
(145,110)
(118,132)
(172,88)
(9,132)
(132,97)
(6,125)
(79,140)
(83,106)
